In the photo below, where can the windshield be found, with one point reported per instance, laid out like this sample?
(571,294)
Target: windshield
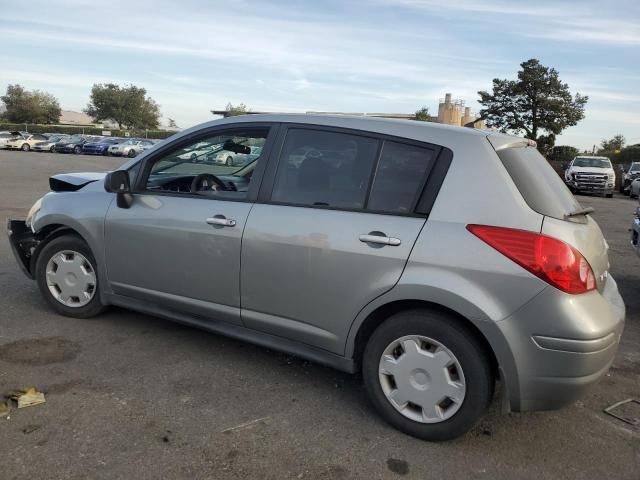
(220,155)
(592,162)
(74,139)
(55,138)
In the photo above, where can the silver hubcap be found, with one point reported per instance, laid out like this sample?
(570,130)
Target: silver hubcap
(422,379)
(71,278)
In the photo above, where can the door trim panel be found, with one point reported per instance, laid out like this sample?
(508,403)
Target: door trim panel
(208,310)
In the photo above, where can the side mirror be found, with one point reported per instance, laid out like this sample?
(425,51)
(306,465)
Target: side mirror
(118,182)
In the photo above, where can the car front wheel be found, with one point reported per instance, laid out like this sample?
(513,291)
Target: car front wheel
(26,147)
(67,277)
(77,149)
(427,375)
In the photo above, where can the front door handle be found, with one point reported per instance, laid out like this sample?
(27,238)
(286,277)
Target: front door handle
(377,238)
(221,220)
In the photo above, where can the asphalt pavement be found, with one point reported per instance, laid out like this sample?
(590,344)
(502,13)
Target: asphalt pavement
(133,396)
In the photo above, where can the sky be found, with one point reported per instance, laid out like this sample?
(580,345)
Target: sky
(194,56)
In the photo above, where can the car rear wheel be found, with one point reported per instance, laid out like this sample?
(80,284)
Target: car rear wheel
(427,375)
(26,147)
(67,277)
(52,149)
(77,149)
(229,162)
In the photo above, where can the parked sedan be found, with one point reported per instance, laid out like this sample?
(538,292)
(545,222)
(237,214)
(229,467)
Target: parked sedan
(49,144)
(100,147)
(26,142)
(233,159)
(6,137)
(130,148)
(72,144)
(629,176)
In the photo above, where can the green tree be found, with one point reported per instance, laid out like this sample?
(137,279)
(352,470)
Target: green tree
(616,143)
(23,106)
(240,109)
(537,102)
(422,115)
(563,153)
(128,106)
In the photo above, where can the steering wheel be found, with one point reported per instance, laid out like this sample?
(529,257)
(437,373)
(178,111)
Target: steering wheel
(207,181)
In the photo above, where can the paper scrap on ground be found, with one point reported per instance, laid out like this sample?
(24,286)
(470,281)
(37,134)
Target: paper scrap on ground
(28,397)
(5,409)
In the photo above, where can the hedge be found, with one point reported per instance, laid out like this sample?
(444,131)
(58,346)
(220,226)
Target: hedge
(84,130)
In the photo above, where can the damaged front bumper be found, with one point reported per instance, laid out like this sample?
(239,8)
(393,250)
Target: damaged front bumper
(23,243)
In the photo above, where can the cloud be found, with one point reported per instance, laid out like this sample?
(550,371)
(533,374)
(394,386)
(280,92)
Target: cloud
(362,55)
(559,21)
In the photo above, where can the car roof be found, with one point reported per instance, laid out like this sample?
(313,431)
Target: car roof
(412,129)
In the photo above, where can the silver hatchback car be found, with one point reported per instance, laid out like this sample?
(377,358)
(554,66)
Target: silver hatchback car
(435,260)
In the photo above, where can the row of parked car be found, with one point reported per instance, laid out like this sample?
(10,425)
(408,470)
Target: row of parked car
(209,151)
(63,143)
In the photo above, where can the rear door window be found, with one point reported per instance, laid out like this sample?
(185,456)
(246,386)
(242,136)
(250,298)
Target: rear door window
(324,169)
(540,185)
(401,173)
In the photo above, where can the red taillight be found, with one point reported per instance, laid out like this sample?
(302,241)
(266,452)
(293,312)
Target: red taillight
(551,259)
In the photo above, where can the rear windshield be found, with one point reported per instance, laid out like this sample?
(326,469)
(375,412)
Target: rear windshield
(540,185)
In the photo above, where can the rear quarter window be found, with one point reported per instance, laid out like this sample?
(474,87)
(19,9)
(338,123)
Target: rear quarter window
(540,185)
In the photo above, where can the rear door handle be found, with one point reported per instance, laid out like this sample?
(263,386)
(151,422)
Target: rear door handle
(221,220)
(380,240)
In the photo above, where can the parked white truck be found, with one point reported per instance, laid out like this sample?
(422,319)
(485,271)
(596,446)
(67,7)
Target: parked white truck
(591,174)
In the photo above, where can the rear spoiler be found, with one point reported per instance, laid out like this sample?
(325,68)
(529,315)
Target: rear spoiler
(502,142)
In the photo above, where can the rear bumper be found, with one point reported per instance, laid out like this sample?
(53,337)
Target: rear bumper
(561,345)
(23,244)
(94,151)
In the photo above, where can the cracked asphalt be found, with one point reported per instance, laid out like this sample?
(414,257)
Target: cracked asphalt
(132,396)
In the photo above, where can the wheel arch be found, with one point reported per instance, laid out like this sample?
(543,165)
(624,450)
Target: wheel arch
(48,233)
(376,317)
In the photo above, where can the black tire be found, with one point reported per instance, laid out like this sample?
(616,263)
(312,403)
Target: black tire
(25,147)
(67,242)
(131,153)
(609,195)
(52,149)
(229,162)
(473,359)
(77,149)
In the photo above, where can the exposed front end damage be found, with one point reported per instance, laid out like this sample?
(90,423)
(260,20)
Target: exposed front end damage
(23,243)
